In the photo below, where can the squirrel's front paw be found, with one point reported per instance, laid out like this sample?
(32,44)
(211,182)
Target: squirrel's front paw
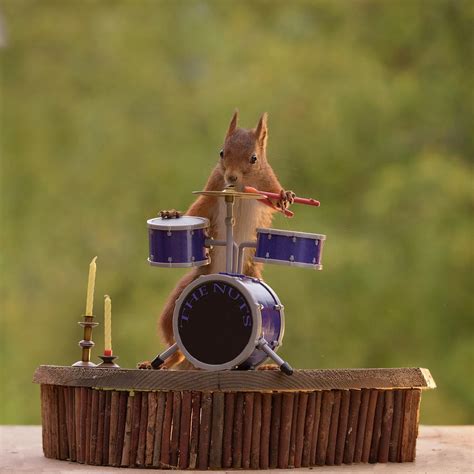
(170,214)
(286,199)
(146,364)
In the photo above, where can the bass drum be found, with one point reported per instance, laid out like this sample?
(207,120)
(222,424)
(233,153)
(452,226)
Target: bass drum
(219,319)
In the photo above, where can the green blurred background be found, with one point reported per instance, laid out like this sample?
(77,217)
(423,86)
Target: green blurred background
(113,110)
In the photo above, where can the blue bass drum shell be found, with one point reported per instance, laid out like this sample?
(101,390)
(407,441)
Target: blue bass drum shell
(179,242)
(219,319)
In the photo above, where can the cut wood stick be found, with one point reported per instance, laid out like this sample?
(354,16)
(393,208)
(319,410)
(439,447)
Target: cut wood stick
(361,425)
(195,428)
(113,429)
(342,427)
(94,425)
(142,432)
(184,430)
(256,431)
(285,429)
(166,433)
(47,442)
(291,457)
(217,430)
(67,414)
(300,425)
(352,424)
(44,419)
(387,419)
(237,436)
(308,429)
(121,425)
(275,429)
(100,429)
(88,426)
(412,400)
(228,429)
(127,441)
(265,430)
(77,421)
(416,419)
(394,450)
(72,428)
(107,411)
(377,429)
(247,429)
(62,418)
(137,404)
(150,429)
(369,425)
(315,435)
(323,435)
(160,415)
(332,437)
(174,444)
(205,430)
(83,423)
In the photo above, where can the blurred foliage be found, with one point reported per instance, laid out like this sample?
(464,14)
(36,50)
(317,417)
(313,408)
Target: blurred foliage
(113,110)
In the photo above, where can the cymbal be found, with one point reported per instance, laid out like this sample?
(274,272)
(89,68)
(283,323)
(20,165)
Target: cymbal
(230,192)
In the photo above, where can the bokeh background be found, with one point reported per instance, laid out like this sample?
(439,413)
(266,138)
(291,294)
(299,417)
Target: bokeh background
(113,110)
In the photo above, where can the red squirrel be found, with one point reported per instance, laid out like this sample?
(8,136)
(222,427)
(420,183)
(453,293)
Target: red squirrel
(242,162)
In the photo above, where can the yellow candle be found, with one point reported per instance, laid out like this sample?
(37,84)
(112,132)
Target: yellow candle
(107,324)
(90,287)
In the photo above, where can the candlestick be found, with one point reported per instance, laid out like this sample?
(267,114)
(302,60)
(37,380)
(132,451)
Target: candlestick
(107,325)
(90,287)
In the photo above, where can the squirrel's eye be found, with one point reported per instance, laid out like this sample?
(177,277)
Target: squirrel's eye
(253,159)
(221,153)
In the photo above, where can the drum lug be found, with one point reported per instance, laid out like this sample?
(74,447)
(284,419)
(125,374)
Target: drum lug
(259,306)
(278,307)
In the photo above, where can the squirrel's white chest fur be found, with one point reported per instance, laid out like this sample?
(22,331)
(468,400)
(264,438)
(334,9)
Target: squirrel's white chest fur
(247,217)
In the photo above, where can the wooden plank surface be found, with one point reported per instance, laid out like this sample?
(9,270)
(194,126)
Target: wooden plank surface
(180,380)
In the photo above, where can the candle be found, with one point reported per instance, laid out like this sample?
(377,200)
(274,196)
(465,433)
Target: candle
(107,325)
(90,287)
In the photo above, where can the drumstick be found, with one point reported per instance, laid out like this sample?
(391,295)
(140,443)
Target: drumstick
(298,200)
(286,212)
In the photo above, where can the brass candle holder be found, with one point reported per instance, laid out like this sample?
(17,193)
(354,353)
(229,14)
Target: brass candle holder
(87,343)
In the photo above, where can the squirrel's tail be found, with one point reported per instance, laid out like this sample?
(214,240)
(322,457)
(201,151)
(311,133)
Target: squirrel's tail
(166,318)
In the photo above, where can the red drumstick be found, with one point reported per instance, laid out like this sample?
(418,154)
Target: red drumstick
(298,200)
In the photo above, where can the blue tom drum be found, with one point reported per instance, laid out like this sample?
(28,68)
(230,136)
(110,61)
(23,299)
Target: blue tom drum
(220,319)
(179,242)
(299,249)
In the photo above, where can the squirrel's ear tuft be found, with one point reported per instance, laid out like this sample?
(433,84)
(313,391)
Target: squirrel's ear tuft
(261,131)
(233,123)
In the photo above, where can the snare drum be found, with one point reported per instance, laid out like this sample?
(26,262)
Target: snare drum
(299,249)
(219,319)
(179,242)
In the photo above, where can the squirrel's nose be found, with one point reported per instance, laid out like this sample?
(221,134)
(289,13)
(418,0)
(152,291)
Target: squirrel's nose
(232,178)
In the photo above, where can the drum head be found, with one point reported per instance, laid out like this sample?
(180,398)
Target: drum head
(214,322)
(179,223)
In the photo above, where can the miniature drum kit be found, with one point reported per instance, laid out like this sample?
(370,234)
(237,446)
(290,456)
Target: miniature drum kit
(228,320)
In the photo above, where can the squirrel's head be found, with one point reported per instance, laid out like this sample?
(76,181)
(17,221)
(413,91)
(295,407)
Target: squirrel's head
(244,153)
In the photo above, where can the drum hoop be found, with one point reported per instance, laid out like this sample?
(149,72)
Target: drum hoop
(315,266)
(290,233)
(199,263)
(165,224)
(256,326)
(282,315)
